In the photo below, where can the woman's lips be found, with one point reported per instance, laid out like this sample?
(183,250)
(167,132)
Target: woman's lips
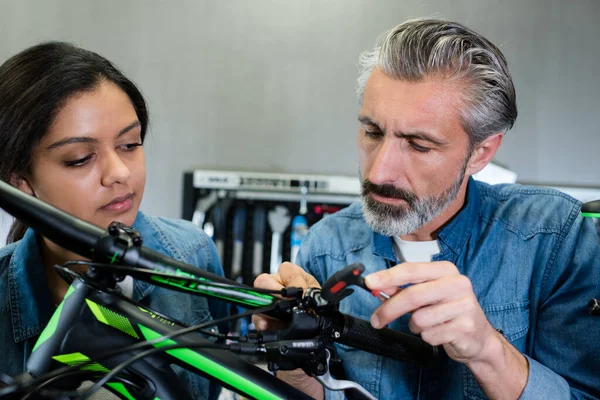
(119,204)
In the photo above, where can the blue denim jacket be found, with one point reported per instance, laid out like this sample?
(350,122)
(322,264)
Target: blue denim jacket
(534,263)
(26,304)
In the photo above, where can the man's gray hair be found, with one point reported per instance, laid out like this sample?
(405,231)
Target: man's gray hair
(429,48)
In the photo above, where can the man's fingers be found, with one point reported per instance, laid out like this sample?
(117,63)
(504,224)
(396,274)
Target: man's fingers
(268,281)
(264,323)
(288,275)
(436,314)
(391,291)
(450,332)
(405,273)
(446,289)
(260,323)
(293,275)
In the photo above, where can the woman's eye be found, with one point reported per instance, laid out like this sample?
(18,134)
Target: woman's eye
(131,146)
(79,162)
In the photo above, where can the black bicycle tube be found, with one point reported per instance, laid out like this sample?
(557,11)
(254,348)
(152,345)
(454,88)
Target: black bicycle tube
(217,365)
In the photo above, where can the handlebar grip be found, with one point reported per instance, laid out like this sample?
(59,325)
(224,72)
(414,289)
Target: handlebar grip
(361,335)
(60,227)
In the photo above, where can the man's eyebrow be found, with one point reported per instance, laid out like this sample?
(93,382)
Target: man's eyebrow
(420,135)
(417,135)
(367,121)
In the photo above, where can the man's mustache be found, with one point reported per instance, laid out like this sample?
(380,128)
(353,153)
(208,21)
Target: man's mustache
(388,190)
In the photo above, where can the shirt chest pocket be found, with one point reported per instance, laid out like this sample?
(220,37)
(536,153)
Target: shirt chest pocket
(513,320)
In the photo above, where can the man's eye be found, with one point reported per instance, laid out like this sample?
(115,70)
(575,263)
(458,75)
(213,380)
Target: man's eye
(373,133)
(418,148)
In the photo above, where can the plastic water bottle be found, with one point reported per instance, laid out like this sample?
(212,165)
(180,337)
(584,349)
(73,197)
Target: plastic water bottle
(299,231)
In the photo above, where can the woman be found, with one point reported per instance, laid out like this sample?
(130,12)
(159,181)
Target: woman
(72,128)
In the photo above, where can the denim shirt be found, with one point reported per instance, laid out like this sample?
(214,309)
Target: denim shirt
(26,304)
(534,263)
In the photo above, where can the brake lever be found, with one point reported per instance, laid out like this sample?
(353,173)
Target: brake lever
(336,287)
(334,384)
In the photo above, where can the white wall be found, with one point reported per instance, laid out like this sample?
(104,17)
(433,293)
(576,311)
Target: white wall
(269,85)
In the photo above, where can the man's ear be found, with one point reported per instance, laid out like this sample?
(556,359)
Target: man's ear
(483,153)
(22,183)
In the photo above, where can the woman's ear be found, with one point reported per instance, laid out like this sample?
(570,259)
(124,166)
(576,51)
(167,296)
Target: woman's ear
(21,183)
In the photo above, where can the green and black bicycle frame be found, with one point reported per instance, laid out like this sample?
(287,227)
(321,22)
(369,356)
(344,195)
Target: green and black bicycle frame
(89,324)
(84,324)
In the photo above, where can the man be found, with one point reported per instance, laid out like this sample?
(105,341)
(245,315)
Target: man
(498,276)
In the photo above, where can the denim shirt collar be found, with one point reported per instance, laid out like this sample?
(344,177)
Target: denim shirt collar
(30,299)
(383,246)
(454,234)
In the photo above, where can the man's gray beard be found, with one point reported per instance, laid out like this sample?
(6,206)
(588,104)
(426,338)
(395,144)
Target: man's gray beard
(389,220)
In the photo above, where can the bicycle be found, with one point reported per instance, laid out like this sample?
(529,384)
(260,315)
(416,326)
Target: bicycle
(133,360)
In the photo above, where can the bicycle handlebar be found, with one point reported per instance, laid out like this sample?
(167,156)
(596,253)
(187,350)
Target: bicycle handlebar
(358,333)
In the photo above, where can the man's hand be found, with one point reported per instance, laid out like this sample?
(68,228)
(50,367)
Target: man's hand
(446,312)
(444,308)
(288,275)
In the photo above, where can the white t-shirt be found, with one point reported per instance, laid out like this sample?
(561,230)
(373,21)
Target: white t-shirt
(415,251)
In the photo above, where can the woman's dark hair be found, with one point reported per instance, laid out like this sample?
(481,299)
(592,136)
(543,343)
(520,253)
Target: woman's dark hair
(34,85)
